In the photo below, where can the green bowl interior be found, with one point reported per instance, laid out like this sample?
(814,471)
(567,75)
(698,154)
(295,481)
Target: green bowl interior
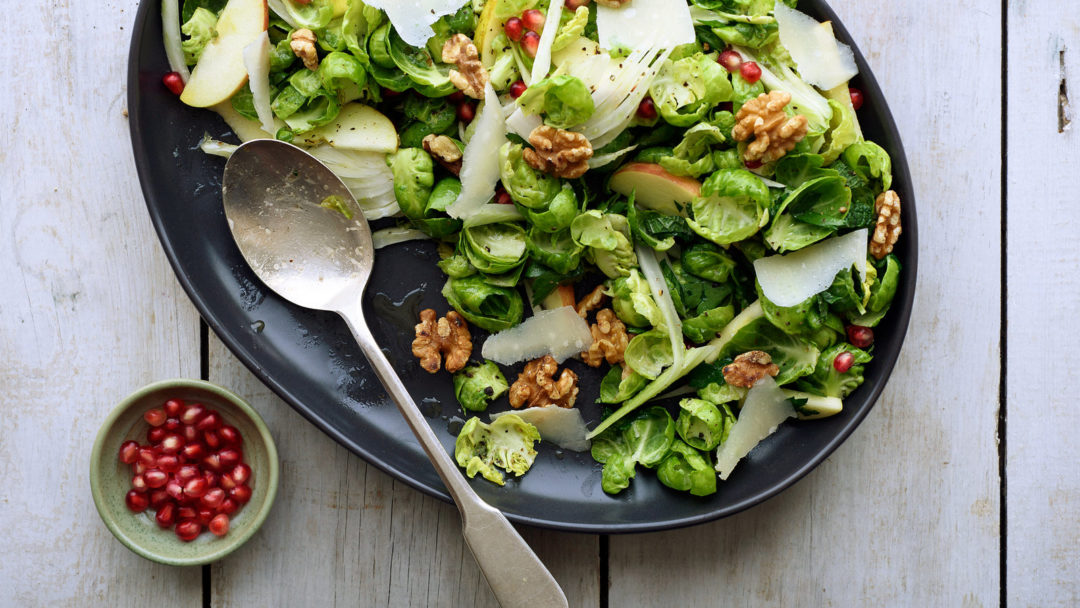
(110,479)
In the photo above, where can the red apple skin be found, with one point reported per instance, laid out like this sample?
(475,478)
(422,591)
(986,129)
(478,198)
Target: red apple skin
(654,187)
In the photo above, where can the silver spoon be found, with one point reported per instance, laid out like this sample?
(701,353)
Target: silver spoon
(315,257)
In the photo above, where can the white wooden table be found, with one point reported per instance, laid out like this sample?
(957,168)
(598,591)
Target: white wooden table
(960,489)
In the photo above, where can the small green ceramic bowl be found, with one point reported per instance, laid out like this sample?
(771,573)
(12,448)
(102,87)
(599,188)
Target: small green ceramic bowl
(110,479)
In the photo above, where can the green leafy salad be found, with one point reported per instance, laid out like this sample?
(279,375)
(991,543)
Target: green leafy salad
(676,194)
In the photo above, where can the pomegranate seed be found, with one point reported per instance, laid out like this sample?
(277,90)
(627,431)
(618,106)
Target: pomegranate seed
(209,422)
(155,478)
(175,489)
(240,473)
(466,112)
(148,456)
(211,439)
(172,444)
(138,483)
(168,463)
(856,97)
(195,488)
(456,97)
(166,515)
(533,20)
(230,435)
(204,516)
(212,462)
(173,407)
(193,451)
(226,482)
(240,494)
(188,530)
(136,502)
(192,414)
(186,513)
(190,433)
(860,337)
(173,424)
(129,452)
(647,108)
(219,525)
(212,498)
(229,458)
(155,434)
(159,498)
(576,4)
(750,71)
(730,59)
(173,82)
(228,506)
(843,362)
(752,164)
(530,42)
(139,468)
(212,479)
(517,89)
(514,29)
(155,417)
(187,472)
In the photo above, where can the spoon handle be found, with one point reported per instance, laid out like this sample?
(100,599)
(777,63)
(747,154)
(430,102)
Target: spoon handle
(515,574)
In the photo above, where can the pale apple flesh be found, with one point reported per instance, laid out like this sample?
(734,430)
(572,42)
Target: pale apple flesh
(358,128)
(655,188)
(220,72)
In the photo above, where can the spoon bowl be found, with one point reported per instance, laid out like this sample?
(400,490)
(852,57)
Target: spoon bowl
(303,234)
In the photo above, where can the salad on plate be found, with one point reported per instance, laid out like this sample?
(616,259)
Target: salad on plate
(677,195)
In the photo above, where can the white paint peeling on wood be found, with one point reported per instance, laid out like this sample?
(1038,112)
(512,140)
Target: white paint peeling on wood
(1044,153)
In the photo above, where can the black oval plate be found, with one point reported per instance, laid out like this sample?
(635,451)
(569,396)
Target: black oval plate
(310,360)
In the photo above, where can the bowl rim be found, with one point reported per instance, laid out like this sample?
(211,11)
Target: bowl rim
(105,431)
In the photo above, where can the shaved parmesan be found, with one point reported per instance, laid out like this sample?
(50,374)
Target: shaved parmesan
(765,408)
(278,7)
(560,333)
(257,63)
(645,23)
(521,124)
(787,280)
(822,60)
(413,18)
(542,62)
(562,426)
(575,51)
(480,160)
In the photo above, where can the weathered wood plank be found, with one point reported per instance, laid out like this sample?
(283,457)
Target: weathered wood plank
(906,512)
(90,308)
(1043,548)
(344,533)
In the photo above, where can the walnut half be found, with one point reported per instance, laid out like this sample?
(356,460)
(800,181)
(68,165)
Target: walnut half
(561,153)
(748,368)
(887,231)
(775,134)
(609,340)
(470,77)
(448,336)
(444,150)
(302,43)
(536,385)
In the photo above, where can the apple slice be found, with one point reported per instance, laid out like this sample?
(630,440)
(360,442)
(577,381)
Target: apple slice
(654,188)
(221,71)
(357,127)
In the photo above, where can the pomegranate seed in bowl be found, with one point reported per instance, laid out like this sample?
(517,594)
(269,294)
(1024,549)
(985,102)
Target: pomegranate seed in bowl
(188,530)
(230,435)
(129,452)
(136,502)
(219,525)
